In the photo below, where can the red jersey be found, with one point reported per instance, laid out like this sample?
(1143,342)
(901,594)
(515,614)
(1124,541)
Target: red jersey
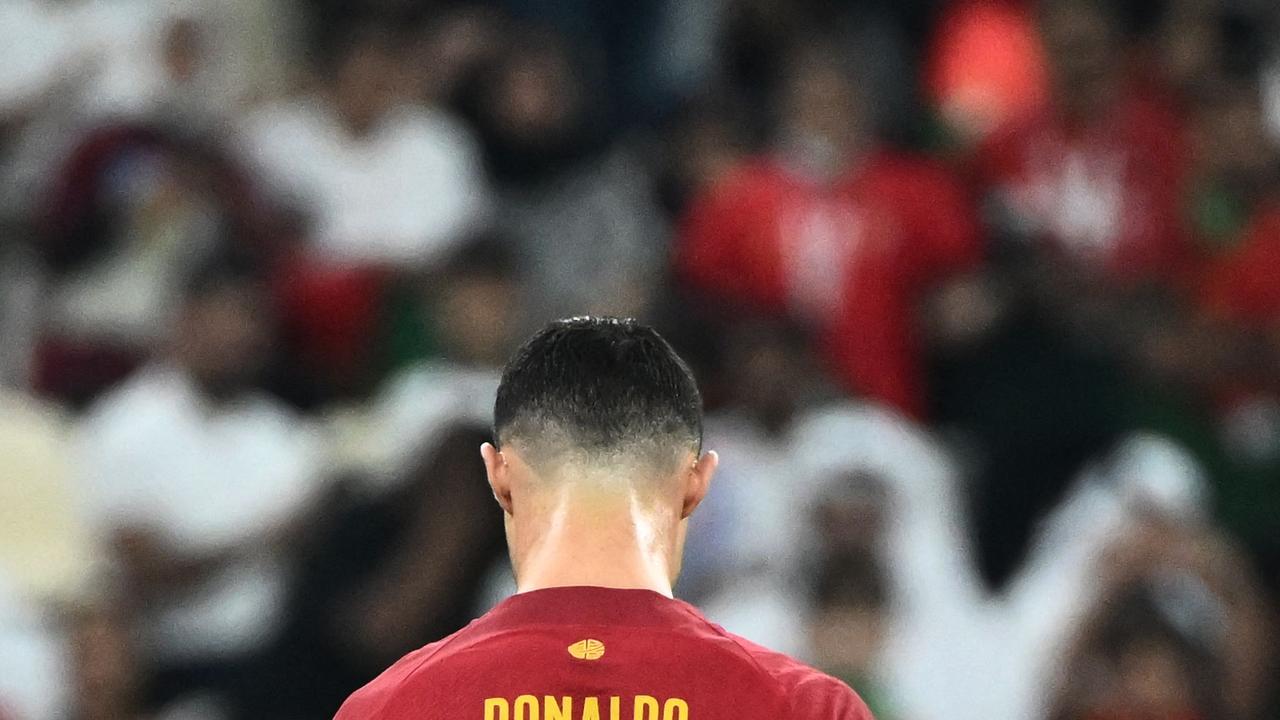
(588,653)
(1243,284)
(853,257)
(1107,194)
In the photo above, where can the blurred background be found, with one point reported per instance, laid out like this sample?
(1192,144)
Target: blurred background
(984,296)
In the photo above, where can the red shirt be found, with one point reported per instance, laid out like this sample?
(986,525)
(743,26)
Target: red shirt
(1107,194)
(852,258)
(1244,283)
(587,653)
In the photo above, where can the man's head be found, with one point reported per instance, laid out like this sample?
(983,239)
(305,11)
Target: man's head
(1082,40)
(596,417)
(224,326)
(366,76)
(822,109)
(475,303)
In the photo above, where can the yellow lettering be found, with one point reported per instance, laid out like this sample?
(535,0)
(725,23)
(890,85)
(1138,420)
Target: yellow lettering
(615,708)
(554,711)
(646,708)
(526,708)
(675,709)
(496,709)
(590,709)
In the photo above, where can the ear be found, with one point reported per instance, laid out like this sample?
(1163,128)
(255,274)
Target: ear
(698,481)
(499,473)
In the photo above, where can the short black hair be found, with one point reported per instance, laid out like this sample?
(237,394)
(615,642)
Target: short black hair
(600,385)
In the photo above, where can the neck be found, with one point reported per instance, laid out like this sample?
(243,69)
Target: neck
(615,540)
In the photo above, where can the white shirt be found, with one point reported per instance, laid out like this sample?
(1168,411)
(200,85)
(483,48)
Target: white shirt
(938,617)
(422,401)
(156,455)
(1056,587)
(760,512)
(33,660)
(405,194)
(745,541)
(109,52)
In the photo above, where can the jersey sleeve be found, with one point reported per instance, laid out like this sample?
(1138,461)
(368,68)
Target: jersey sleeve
(821,697)
(364,704)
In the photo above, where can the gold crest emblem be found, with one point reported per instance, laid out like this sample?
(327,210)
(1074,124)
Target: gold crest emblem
(588,649)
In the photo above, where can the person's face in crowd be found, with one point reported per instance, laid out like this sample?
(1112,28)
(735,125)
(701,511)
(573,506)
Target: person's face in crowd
(534,98)
(763,369)
(822,119)
(368,83)
(707,149)
(444,53)
(1188,46)
(476,318)
(223,336)
(1082,44)
(851,517)
(1151,681)
(1154,677)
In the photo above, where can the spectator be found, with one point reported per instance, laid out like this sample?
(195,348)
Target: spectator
(134,209)
(72,66)
(885,490)
(1096,177)
(385,181)
(1178,632)
(1238,209)
(1086,199)
(758,39)
(1237,212)
(835,231)
(471,313)
(1150,496)
(588,232)
(385,575)
(197,482)
(1140,665)
(127,60)
(747,575)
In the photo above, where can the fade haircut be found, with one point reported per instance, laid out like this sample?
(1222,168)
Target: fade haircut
(599,388)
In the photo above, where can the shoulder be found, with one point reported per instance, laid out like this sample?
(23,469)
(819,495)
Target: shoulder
(810,694)
(375,700)
(144,402)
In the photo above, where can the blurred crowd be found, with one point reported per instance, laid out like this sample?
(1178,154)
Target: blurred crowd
(984,296)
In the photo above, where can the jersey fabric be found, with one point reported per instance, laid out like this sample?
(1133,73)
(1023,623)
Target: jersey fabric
(589,653)
(851,258)
(1107,194)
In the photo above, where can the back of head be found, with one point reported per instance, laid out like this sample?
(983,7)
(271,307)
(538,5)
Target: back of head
(599,391)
